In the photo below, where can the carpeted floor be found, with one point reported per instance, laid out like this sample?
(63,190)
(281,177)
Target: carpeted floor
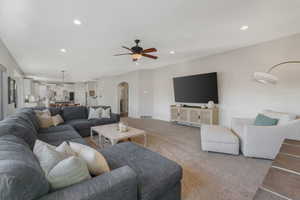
(206,176)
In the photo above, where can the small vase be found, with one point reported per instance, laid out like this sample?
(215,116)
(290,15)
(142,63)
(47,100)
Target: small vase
(210,104)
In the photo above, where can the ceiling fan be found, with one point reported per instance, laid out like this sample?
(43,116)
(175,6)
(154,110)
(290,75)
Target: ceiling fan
(137,52)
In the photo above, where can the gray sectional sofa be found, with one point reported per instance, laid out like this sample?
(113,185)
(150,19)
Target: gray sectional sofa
(136,173)
(77,117)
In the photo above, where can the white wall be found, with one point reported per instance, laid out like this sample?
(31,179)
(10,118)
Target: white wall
(146,92)
(108,92)
(80,89)
(13,70)
(239,95)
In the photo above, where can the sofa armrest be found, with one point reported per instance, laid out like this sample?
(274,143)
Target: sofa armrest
(115,117)
(265,141)
(118,184)
(238,125)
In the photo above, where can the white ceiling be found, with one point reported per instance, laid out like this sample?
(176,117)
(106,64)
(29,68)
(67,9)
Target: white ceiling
(35,31)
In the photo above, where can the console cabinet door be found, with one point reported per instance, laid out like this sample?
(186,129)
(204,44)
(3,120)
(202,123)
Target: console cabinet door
(174,114)
(183,115)
(195,116)
(206,116)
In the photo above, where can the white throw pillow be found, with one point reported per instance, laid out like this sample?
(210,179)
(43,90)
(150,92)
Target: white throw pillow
(283,118)
(57,119)
(48,158)
(62,148)
(65,149)
(106,113)
(59,164)
(95,160)
(94,113)
(68,172)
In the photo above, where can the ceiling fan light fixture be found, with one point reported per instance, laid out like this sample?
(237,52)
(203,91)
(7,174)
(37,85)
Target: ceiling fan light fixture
(136,56)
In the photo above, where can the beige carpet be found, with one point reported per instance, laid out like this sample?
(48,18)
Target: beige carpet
(206,176)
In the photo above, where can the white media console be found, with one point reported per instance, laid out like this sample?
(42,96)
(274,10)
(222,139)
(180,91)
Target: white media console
(194,115)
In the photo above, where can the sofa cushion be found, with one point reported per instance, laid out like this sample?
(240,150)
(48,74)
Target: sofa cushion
(156,174)
(80,124)
(12,127)
(56,138)
(74,112)
(31,114)
(26,118)
(18,120)
(102,121)
(21,175)
(59,128)
(79,140)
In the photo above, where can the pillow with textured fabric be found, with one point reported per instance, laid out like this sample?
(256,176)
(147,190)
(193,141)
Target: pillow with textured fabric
(45,121)
(262,120)
(47,156)
(95,160)
(57,120)
(63,148)
(68,172)
(66,149)
(43,112)
(94,113)
(106,113)
(59,164)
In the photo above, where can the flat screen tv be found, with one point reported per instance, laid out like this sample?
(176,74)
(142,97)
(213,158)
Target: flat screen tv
(199,88)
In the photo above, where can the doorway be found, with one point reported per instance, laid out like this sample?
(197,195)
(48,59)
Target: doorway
(2,96)
(123,99)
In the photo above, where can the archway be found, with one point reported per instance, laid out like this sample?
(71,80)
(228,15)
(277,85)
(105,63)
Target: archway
(123,99)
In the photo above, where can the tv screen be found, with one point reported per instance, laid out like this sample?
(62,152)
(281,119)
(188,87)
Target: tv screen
(199,88)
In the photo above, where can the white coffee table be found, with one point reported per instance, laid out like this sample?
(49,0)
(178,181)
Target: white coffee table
(114,136)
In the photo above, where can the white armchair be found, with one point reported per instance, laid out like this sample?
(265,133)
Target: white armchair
(263,141)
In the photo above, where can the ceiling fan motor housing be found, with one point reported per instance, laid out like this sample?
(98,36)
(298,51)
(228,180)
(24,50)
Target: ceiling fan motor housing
(137,49)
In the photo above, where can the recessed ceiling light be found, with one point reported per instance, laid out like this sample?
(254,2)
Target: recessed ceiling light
(243,28)
(136,63)
(77,22)
(172,52)
(63,50)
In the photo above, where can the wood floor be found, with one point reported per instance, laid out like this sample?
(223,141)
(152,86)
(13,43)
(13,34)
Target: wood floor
(206,176)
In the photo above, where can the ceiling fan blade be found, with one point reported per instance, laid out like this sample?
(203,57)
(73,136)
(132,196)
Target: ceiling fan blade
(149,50)
(149,56)
(122,54)
(127,48)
